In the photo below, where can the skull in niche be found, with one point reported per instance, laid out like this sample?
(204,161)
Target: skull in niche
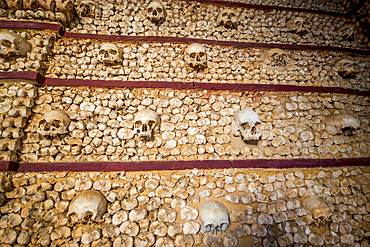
(342,124)
(227,18)
(145,123)
(54,123)
(347,32)
(12,44)
(319,210)
(277,57)
(88,8)
(346,67)
(196,56)
(110,54)
(296,24)
(214,217)
(156,12)
(247,124)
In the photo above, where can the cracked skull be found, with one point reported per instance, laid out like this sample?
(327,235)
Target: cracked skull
(214,217)
(319,210)
(145,123)
(277,57)
(156,12)
(54,123)
(12,44)
(110,54)
(346,67)
(296,24)
(227,18)
(196,56)
(342,124)
(247,124)
(88,8)
(88,203)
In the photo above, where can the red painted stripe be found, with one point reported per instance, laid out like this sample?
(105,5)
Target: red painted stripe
(33,25)
(27,75)
(182,165)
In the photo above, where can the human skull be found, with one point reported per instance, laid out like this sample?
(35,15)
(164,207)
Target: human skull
(347,32)
(214,217)
(227,18)
(343,124)
(145,123)
(88,203)
(110,54)
(247,123)
(277,57)
(196,56)
(53,123)
(346,67)
(319,210)
(296,24)
(13,44)
(88,8)
(156,12)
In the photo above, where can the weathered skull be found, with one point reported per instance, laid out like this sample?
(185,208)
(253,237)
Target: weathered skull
(13,44)
(53,123)
(277,57)
(110,54)
(145,123)
(296,24)
(346,67)
(247,123)
(214,217)
(88,8)
(227,18)
(89,202)
(156,12)
(196,56)
(319,210)
(347,32)
(342,123)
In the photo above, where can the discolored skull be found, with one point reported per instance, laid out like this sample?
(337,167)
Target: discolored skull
(296,24)
(12,44)
(196,56)
(145,123)
(319,210)
(54,123)
(347,32)
(88,8)
(247,124)
(214,217)
(342,124)
(156,12)
(110,54)
(88,203)
(346,67)
(227,18)
(277,57)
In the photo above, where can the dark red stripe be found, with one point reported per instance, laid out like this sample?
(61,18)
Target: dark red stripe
(181,165)
(32,25)
(27,75)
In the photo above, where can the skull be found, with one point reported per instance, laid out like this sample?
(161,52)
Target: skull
(196,56)
(247,123)
(319,210)
(296,24)
(277,57)
(13,44)
(53,123)
(88,8)
(110,54)
(227,18)
(89,202)
(347,32)
(346,67)
(214,217)
(156,12)
(145,123)
(342,123)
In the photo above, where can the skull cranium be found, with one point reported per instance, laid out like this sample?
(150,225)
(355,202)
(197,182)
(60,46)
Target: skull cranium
(88,8)
(346,67)
(227,18)
(319,210)
(277,57)
(145,123)
(296,24)
(214,217)
(196,56)
(156,12)
(53,123)
(247,123)
(342,123)
(13,44)
(110,54)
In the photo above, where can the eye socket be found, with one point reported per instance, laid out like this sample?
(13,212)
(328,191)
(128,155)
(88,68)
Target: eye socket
(298,23)
(113,52)
(347,65)
(138,124)
(151,123)
(225,15)
(6,43)
(232,15)
(159,10)
(193,55)
(201,54)
(56,123)
(245,126)
(150,9)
